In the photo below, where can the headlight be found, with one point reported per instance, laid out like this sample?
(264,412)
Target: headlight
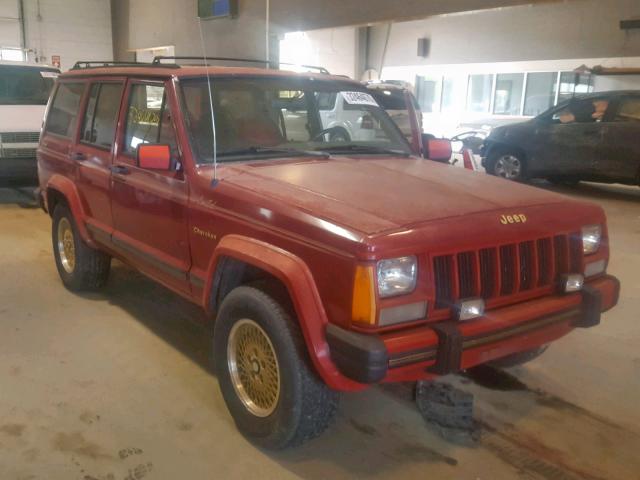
(397,276)
(591,236)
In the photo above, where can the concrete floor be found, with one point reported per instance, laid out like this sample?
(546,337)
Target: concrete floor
(114,386)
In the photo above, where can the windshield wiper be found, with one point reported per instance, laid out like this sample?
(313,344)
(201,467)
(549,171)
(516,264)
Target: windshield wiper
(366,149)
(255,150)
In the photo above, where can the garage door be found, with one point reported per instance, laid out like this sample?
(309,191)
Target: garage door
(10,31)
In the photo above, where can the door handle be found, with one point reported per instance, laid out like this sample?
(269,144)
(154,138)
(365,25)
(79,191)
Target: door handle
(120,170)
(78,156)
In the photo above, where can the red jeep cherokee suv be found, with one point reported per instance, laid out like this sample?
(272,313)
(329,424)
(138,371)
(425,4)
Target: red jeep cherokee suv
(326,265)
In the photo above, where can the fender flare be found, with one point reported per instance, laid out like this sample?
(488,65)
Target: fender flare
(297,278)
(68,190)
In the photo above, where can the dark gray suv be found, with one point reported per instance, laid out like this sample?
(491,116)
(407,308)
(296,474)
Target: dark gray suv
(593,137)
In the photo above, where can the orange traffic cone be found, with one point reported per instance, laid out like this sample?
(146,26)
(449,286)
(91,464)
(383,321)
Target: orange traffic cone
(467,158)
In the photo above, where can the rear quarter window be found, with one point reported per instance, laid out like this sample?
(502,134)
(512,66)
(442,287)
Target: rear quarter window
(629,110)
(63,114)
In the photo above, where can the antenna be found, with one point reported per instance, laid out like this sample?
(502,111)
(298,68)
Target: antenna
(215,180)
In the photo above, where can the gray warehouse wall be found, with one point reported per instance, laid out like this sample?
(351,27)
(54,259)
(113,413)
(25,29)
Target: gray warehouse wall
(141,24)
(570,29)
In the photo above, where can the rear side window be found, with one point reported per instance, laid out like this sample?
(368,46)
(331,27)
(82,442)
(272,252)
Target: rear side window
(63,114)
(629,110)
(99,127)
(326,101)
(148,119)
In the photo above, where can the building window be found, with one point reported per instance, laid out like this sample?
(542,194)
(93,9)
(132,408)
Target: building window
(12,54)
(541,92)
(508,97)
(428,91)
(454,89)
(572,84)
(479,94)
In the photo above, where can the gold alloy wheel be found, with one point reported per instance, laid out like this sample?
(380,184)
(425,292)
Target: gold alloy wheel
(66,245)
(253,366)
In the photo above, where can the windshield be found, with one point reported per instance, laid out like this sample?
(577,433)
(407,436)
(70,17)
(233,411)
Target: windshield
(262,116)
(22,85)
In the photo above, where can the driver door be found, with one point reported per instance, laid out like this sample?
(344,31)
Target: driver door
(570,144)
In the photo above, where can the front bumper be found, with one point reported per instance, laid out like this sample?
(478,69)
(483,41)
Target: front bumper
(438,349)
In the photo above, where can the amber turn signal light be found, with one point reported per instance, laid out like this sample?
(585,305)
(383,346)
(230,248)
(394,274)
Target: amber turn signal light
(363,309)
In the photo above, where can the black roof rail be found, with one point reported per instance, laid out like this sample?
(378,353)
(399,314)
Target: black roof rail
(85,64)
(158,61)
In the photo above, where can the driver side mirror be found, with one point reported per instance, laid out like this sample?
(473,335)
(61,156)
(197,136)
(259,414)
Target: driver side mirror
(436,149)
(154,157)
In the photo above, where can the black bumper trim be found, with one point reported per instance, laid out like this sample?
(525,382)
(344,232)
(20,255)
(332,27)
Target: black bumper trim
(358,356)
(449,351)
(591,308)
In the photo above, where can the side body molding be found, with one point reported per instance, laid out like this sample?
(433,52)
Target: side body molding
(297,278)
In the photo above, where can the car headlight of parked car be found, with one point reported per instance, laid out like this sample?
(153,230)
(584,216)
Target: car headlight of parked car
(591,237)
(397,276)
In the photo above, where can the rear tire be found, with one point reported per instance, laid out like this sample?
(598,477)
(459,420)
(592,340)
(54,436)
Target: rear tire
(519,358)
(507,164)
(80,267)
(270,388)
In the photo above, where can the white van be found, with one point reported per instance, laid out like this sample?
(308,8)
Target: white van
(24,91)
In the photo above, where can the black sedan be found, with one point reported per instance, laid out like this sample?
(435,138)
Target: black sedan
(595,137)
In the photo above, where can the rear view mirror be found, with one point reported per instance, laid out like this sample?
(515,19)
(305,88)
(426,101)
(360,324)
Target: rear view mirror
(154,157)
(436,149)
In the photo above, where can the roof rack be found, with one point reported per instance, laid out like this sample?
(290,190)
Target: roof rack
(85,64)
(158,61)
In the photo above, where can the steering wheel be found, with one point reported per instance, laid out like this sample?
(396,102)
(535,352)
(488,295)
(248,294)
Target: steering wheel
(326,131)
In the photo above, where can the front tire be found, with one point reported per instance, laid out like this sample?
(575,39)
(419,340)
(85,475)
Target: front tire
(509,165)
(80,267)
(268,384)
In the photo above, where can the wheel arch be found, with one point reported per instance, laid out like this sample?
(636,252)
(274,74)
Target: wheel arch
(501,148)
(62,190)
(238,258)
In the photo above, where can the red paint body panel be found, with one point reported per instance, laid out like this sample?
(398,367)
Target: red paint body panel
(310,222)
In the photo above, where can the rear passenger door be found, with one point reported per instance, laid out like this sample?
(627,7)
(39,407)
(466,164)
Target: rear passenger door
(622,160)
(60,131)
(150,207)
(94,150)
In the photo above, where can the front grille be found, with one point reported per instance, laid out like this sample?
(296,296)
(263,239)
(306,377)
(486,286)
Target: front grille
(20,137)
(18,153)
(505,270)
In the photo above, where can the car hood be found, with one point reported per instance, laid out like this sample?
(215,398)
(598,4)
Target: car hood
(375,195)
